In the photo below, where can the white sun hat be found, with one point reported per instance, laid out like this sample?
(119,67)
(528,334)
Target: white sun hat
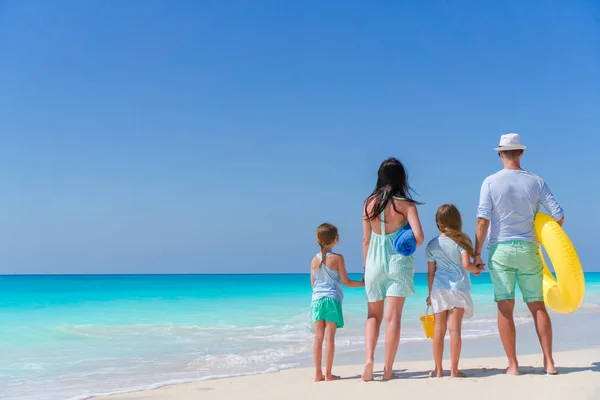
(510,141)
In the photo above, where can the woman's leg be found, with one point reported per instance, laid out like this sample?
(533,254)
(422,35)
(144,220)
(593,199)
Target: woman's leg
(318,349)
(374,318)
(393,316)
(330,329)
(455,326)
(439,334)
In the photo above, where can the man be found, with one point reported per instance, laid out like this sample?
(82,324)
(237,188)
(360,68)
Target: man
(508,203)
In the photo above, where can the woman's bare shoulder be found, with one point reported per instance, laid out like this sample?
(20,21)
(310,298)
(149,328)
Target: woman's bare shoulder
(404,204)
(369,203)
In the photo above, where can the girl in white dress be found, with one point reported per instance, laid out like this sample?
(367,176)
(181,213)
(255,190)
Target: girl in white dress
(449,263)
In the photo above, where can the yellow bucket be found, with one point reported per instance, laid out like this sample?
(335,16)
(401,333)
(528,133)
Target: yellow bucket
(428,323)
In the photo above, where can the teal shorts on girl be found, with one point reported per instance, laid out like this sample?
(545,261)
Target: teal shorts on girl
(328,310)
(516,262)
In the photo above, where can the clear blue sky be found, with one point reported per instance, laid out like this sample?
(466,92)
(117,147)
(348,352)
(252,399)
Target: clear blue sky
(214,136)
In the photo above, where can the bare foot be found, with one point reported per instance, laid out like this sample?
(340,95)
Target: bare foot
(458,374)
(319,378)
(512,371)
(331,377)
(388,376)
(367,374)
(549,368)
(436,373)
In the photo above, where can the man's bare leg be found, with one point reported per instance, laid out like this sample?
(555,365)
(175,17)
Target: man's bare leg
(543,327)
(508,334)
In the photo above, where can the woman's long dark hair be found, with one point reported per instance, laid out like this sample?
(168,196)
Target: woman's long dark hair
(391,181)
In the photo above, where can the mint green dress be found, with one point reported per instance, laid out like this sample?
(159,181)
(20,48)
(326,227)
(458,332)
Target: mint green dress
(387,272)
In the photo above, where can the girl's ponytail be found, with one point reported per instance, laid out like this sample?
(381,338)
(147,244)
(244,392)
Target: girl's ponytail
(449,222)
(461,239)
(323,255)
(327,234)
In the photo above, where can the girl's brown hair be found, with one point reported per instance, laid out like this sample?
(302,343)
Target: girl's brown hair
(449,222)
(327,234)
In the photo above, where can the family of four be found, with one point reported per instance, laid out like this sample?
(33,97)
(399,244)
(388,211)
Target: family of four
(508,203)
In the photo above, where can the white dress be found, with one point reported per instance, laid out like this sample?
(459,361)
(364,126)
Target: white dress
(443,300)
(451,282)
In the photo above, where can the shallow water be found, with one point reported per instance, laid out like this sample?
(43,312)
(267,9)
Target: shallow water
(68,337)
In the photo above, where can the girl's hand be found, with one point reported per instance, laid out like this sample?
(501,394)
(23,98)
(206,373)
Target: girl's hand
(428,301)
(477,269)
(480,268)
(478,261)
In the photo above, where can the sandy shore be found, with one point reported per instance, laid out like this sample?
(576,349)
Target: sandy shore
(579,378)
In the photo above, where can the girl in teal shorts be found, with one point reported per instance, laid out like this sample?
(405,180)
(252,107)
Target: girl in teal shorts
(327,272)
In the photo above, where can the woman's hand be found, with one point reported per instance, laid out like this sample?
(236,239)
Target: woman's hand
(428,301)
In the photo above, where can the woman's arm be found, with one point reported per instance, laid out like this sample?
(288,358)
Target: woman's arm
(341,267)
(469,266)
(366,240)
(415,224)
(430,275)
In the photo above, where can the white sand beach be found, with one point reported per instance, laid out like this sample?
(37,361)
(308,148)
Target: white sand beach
(579,378)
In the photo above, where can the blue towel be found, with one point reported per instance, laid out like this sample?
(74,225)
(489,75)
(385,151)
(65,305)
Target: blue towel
(405,242)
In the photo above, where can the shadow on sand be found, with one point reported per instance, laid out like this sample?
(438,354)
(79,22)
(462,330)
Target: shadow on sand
(483,372)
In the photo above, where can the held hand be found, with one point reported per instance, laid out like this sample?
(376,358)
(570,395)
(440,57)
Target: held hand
(428,301)
(479,268)
(478,261)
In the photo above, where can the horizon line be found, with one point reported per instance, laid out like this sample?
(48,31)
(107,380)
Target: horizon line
(198,274)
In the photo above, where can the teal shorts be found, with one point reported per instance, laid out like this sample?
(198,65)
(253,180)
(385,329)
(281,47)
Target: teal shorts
(328,310)
(516,261)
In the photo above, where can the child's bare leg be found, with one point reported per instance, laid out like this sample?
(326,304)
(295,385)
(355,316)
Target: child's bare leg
(455,326)
(330,329)
(439,334)
(318,349)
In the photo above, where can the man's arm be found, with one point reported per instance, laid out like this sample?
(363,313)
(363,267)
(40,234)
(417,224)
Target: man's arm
(480,234)
(549,202)
(484,215)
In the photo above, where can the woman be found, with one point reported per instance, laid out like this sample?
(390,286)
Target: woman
(388,274)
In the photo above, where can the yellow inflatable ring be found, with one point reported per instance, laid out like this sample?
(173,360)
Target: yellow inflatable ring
(564,293)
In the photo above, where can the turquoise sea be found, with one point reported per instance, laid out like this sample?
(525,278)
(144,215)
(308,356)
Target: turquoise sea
(70,337)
